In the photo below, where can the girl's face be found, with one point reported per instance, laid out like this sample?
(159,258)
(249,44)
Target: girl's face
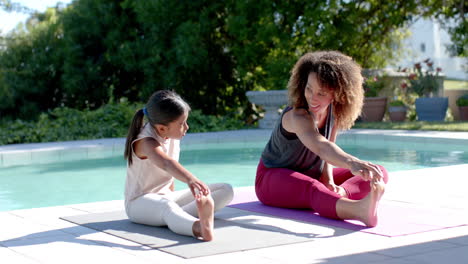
(177,128)
(317,97)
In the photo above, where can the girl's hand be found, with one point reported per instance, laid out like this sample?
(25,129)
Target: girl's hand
(198,188)
(367,170)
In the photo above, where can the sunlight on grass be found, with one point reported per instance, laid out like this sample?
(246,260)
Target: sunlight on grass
(455,85)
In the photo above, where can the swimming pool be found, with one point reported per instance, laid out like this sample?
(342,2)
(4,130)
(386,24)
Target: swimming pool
(101,179)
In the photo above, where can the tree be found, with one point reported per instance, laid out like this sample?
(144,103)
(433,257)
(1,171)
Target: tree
(183,48)
(97,67)
(452,15)
(266,37)
(10,6)
(31,68)
(211,52)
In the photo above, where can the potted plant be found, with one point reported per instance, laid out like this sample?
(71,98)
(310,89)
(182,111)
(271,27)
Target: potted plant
(374,106)
(397,111)
(462,103)
(426,83)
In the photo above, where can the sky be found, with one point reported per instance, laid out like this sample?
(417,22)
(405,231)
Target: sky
(9,20)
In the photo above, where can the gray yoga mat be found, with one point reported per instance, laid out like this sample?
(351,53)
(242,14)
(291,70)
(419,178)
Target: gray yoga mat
(229,235)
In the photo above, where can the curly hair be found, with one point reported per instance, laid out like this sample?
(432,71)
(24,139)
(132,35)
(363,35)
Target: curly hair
(336,72)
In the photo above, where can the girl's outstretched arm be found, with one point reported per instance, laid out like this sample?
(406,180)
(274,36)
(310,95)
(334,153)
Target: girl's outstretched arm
(149,148)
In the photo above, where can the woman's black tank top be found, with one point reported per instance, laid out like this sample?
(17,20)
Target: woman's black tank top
(285,150)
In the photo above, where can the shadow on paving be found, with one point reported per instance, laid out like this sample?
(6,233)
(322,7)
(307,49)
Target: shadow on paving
(452,250)
(161,238)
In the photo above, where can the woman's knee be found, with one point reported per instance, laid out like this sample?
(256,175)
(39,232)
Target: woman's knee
(384,173)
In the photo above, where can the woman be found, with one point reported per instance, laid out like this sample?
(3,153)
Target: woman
(296,166)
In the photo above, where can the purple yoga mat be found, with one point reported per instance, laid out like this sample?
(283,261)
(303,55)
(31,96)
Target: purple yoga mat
(394,219)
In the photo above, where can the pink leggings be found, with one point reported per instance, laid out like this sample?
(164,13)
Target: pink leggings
(286,188)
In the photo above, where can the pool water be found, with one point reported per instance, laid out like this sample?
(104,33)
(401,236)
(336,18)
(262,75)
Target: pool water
(71,182)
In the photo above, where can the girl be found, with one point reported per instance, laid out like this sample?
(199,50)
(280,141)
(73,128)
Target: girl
(152,153)
(295,169)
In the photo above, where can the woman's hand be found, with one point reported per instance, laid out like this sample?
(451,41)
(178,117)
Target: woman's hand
(336,189)
(198,188)
(367,170)
(328,181)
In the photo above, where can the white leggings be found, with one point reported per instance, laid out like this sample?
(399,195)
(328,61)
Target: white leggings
(177,210)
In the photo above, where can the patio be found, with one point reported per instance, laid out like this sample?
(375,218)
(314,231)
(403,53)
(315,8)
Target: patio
(39,236)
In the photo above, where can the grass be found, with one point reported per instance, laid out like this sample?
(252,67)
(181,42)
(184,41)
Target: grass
(455,85)
(415,125)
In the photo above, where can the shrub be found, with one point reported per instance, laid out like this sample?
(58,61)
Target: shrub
(462,100)
(423,82)
(108,121)
(209,123)
(373,85)
(397,103)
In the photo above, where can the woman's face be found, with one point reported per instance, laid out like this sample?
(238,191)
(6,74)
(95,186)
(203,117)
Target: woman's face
(317,97)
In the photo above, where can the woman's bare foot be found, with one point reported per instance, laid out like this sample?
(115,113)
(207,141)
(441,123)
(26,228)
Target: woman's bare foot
(364,210)
(204,227)
(371,202)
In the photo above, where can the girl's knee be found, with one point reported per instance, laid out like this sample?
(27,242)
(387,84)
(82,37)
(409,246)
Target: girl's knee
(224,188)
(226,191)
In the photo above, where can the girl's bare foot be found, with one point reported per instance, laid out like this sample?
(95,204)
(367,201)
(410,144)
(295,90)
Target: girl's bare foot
(370,203)
(204,227)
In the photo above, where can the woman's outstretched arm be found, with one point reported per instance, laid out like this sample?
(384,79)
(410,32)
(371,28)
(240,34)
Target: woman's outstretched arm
(300,122)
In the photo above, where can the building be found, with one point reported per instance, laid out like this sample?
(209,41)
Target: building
(429,40)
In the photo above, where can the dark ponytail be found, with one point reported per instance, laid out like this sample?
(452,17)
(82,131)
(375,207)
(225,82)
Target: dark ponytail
(163,107)
(133,131)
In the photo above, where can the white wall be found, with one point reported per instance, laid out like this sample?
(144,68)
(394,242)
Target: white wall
(428,40)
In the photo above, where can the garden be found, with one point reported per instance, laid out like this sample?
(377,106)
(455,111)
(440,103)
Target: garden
(65,75)
(420,93)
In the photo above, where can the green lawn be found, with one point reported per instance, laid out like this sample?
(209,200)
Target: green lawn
(455,84)
(415,125)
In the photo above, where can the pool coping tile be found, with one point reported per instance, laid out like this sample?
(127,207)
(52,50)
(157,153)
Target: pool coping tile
(37,153)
